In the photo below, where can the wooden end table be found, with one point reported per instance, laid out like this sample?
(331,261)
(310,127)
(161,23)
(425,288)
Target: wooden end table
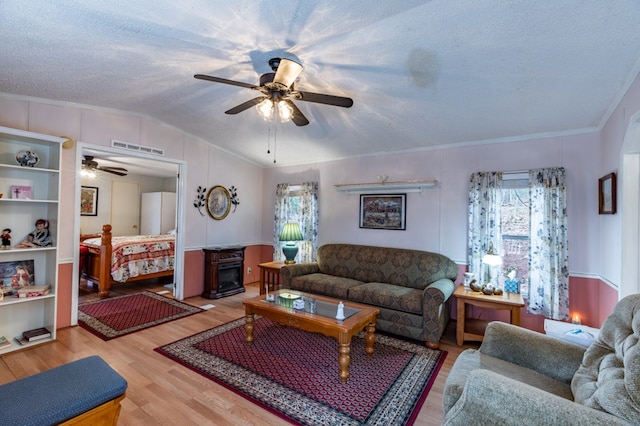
(359,317)
(270,274)
(506,301)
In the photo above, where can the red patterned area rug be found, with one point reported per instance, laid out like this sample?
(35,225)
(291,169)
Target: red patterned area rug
(118,316)
(294,374)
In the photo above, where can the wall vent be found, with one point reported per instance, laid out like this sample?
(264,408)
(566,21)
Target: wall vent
(134,147)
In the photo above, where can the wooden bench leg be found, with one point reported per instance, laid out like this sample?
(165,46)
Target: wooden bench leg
(103,415)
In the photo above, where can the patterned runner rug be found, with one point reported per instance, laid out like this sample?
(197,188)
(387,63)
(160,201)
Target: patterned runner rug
(294,374)
(118,316)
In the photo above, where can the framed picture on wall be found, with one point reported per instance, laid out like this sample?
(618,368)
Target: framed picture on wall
(383,211)
(88,201)
(607,194)
(218,202)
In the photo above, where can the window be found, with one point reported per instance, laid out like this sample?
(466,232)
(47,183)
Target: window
(515,214)
(544,267)
(294,214)
(299,204)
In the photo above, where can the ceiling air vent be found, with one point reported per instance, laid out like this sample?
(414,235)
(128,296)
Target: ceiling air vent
(135,147)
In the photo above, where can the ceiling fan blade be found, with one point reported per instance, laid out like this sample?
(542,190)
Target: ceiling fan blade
(225,81)
(298,117)
(287,72)
(114,170)
(246,105)
(323,99)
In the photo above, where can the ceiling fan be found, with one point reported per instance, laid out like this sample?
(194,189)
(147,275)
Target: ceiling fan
(90,164)
(278,91)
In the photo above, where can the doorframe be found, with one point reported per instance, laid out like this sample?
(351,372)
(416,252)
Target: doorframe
(181,178)
(630,200)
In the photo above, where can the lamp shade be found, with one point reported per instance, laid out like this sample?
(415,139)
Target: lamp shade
(491,258)
(291,232)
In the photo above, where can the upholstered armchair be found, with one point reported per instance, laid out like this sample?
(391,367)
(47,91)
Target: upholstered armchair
(522,377)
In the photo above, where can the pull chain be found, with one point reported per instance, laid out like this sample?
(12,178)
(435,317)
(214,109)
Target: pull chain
(275,143)
(269,140)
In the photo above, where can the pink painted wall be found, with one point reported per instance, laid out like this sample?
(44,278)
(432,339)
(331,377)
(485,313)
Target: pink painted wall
(65,277)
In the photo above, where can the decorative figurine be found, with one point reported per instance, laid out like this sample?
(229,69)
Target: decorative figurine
(468,276)
(340,313)
(39,237)
(6,239)
(268,297)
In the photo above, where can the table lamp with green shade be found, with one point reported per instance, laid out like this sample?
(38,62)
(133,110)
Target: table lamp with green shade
(290,233)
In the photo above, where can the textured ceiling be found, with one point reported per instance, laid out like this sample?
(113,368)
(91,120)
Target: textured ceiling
(421,73)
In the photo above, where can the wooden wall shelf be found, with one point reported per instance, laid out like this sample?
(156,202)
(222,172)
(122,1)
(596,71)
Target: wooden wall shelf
(379,187)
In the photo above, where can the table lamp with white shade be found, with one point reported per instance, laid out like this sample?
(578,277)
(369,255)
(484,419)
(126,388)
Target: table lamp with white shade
(491,259)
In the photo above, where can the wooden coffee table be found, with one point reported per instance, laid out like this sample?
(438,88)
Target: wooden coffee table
(358,317)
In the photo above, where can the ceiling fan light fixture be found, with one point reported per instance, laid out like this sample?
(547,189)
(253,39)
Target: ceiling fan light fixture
(285,111)
(265,109)
(85,173)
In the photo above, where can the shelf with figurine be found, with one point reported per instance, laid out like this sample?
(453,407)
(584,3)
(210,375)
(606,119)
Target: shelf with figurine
(40,237)
(30,184)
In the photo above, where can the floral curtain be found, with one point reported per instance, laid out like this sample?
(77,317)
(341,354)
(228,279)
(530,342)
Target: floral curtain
(485,201)
(308,221)
(280,218)
(548,256)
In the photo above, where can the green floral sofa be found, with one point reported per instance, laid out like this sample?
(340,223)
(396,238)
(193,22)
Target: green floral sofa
(410,287)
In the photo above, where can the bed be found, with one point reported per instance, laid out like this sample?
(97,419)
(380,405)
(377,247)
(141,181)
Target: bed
(106,259)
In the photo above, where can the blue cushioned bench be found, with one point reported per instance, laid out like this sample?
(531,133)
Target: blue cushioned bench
(86,391)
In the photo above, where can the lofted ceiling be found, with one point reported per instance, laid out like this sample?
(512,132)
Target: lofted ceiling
(422,74)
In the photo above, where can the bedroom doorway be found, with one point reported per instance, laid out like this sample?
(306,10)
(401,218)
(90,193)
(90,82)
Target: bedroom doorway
(125,208)
(151,173)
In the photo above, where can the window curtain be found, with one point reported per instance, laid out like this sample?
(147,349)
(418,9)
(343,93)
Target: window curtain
(548,257)
(281,216)
(308,221)
(485,201)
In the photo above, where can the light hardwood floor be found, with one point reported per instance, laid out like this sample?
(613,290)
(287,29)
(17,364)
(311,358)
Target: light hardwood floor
(162,392)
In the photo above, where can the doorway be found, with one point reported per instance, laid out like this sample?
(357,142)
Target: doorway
(143,170)
(630,226)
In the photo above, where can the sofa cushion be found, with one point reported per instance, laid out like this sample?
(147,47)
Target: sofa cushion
(472,359)
(609,377)
(324,284)
(404,299)
(403,267)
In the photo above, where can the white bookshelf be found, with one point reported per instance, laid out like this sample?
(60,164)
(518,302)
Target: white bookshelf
(21,314)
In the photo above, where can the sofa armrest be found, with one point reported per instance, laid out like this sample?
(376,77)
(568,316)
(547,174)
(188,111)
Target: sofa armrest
(288,272)
(547,355)
(436,293)
(434,311)
(489,398)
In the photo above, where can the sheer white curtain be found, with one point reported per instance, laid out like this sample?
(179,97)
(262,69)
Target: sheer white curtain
(549,255)
(485,201)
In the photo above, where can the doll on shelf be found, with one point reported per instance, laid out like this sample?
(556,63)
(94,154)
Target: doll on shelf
(6,239)
(39,237)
